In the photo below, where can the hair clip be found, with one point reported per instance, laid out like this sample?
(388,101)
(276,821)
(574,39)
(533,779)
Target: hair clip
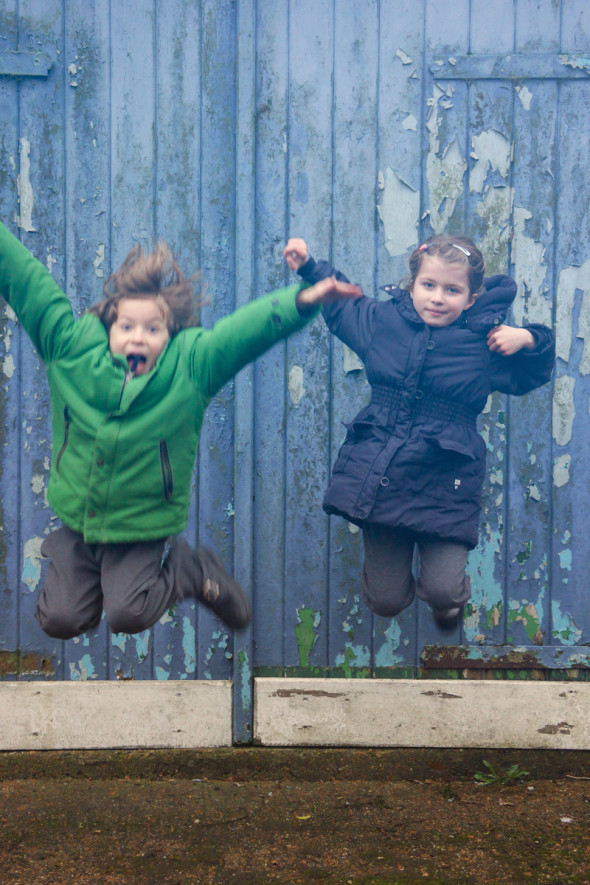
(423,247)
(461,249)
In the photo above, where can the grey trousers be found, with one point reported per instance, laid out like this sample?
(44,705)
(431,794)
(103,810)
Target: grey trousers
(388,584)
(131,582)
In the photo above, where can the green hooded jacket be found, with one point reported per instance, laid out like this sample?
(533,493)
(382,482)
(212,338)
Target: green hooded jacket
(124,450)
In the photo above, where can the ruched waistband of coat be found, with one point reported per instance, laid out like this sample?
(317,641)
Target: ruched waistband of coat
(423,403)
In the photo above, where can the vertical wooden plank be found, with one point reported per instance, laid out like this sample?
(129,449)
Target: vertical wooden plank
(271,231)
(41,172)
(244,411)
(488,222)
(356,78)
(537,25)
(132,201)
(310,196)
(10,334)
(528,464)
(177,220)
(447,33)
(218,156)
(87,221)
(402,102)
(571,559)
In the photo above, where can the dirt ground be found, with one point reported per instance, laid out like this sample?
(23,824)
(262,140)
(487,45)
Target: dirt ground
(352,817)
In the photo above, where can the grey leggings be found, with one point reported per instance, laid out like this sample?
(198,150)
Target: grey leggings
(387,582)
(134,583)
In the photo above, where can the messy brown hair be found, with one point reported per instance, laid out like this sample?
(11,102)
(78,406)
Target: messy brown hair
(154,274)
(455,249)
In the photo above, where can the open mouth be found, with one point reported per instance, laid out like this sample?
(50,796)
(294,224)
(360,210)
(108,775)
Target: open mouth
(135,360)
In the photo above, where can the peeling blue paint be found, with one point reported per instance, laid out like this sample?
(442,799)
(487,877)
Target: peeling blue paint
(354,657)
(84,671)
(189,645)
(386,656)
(162,674)
(31,574)
(245,681)
(565,628)
(565,559)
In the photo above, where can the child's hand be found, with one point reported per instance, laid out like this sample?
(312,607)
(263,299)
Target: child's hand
(295,252)
(327,290)
(506,340)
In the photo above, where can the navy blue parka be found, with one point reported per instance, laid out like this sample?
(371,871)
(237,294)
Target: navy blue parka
(413,457)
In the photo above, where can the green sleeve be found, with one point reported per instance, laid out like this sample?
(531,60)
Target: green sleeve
(238,339)
(41,306)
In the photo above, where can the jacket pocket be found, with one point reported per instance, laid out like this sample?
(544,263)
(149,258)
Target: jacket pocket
(167,478)
(66,435)
(360,440)
(458,471)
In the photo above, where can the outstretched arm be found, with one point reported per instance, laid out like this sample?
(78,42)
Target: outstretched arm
(521,358)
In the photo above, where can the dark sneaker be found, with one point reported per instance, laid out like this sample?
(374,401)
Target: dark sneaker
(220,592)
(447,618)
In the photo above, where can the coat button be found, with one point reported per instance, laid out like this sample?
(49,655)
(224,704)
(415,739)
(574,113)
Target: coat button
(418,394)
(431,345)
(91,514)
(100,462)
(384,481)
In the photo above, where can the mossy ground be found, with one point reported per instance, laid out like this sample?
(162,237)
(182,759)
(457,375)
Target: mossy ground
(338,817)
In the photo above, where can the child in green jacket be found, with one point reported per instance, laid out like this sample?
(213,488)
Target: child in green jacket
(129,383)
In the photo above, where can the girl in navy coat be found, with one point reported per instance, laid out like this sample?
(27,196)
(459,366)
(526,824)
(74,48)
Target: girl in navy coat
(411,468)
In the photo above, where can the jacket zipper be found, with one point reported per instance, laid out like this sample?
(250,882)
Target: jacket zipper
(166,470)
(66,434)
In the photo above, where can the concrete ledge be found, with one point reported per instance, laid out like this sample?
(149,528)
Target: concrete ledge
(421,713)
(100,715)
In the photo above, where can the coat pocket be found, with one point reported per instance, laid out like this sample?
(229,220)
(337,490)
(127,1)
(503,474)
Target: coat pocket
(360,439)
(167,477)
(458,470)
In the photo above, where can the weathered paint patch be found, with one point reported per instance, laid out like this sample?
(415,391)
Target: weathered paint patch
(399,210)
(531,304)
(85,669)
(565,559)
(572,279)
(24,187)
(565,629)
(495,210)
(386,656)
(8,366)
(245,680)
(564,410)
(410,123)
(403,57)
(492,152)
(561,470)
(31,573)
(305,633)
(296,386)
(142,644)
(486,591)
(350,361)
(355,657)
(525,96)
(99,261)
(527,614)
(188,645)
(444,172)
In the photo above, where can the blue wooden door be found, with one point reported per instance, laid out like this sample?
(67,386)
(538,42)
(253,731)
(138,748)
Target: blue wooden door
(361,125)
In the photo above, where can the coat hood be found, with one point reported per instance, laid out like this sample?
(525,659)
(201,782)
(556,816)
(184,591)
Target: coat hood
(489,310)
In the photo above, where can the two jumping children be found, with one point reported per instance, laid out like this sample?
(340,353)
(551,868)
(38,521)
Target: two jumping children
(130,381)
